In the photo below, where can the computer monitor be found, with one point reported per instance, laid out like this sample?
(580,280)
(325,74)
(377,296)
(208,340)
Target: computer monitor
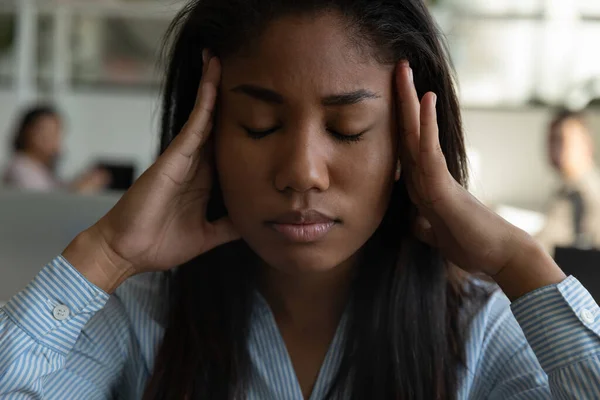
(122,175)
(583,265)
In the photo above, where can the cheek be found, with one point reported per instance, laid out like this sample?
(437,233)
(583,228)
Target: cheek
(365,181)
(56,141)
(377,180)
(228,161)
(44,141)
(371,164)
(240,170)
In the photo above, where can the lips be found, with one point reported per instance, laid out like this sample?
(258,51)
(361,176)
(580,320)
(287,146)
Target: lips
(303,226)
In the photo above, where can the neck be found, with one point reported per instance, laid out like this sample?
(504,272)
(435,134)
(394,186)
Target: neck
(308,298)
(40,158)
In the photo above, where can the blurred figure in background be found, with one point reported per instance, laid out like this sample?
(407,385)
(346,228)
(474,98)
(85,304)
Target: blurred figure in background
(37,146)
(573,217)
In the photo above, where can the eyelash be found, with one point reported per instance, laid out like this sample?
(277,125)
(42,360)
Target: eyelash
(256,135)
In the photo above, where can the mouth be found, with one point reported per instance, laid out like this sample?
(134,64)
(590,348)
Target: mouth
(303,226)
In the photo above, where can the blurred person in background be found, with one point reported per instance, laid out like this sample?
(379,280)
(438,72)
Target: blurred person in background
(37,146)
(573,215)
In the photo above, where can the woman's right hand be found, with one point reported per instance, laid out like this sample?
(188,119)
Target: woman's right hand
(92,181)
(160,222)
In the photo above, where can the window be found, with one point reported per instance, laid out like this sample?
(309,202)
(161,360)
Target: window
(513,52)
(115,51)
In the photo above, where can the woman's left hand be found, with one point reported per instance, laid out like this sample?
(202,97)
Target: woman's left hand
(466,232)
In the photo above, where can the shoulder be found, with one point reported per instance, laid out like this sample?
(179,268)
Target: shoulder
(19,163)
(23,172)
(590,185)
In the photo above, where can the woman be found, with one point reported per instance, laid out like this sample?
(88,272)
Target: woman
(37,145)
(328,166)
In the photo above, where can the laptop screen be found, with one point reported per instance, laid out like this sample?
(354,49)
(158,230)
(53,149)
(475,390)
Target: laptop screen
(36,227)
(121,175)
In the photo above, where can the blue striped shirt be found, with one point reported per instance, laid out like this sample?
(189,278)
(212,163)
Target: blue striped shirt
(544,345)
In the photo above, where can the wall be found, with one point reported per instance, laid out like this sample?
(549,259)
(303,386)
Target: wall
(117,128)
(510,144)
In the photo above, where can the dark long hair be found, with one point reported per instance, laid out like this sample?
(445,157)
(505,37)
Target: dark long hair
(28,118)
(408,309)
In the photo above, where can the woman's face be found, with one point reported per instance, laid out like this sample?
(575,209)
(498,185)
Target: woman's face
(306,144)
(45,137)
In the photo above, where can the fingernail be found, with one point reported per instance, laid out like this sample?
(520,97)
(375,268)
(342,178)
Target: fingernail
(410,74)
(434,100)
(204,56)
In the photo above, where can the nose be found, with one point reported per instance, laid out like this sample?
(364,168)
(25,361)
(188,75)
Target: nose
(303,164)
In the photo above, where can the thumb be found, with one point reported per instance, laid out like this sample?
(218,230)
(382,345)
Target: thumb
(220,232)
(424,232)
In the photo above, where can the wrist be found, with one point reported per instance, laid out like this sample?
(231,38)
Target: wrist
(529,269)
(92,257)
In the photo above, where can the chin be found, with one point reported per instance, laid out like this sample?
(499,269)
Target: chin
(301,259)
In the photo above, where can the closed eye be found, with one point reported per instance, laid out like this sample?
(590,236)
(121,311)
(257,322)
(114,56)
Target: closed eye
(345,137)
(260,133)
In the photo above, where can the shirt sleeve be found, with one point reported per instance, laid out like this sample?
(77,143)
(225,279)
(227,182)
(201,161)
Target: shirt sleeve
(61,338)
(562,326)
(560,356)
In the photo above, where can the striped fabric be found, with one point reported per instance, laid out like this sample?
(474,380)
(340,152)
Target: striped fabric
(547,347)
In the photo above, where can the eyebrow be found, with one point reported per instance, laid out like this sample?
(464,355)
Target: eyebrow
(341,99)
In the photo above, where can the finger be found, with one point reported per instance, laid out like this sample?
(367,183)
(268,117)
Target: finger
(200,159)
(195,131)
(409,113)
(412,192)
(431,157)
(206,56)
(220,232)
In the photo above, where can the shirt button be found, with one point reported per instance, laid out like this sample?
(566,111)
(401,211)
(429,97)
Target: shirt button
(61,312)
(587,316)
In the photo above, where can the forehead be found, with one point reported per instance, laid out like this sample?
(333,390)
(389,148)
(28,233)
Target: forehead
(46,120)
(308,55)
(569,127)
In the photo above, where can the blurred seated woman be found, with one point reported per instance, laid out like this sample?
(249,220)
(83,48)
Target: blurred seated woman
(37,147)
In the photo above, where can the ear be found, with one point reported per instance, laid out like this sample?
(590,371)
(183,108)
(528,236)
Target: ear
(398,171)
